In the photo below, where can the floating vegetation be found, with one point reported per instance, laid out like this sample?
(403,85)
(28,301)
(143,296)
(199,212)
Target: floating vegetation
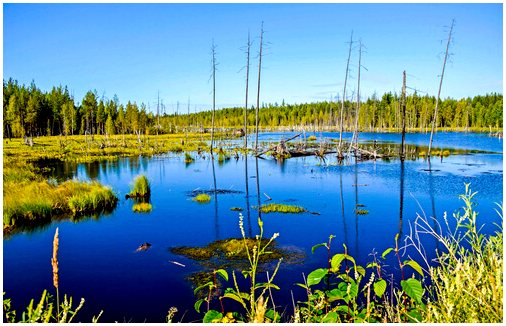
(236,209)
(229,249)
(141,188)
(142,207)
(202,198)
(311,138)
(361,211)
(282,208)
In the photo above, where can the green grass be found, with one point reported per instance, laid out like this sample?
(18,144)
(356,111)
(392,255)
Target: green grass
(361,211)
(311,138)
(281,208)
(202,198)
(236,209)
(141,187)
(32,202)
(142,207)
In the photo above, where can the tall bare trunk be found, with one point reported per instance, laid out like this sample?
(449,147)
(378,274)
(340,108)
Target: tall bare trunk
(258,88)
(213,50)
(246,101)
(344,98)
(434,118)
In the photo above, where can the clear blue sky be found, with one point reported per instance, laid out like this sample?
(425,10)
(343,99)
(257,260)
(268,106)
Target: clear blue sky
(136,50)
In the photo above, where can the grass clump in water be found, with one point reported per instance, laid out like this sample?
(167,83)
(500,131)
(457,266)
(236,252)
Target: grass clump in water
(188,158)
(202,198)
(311,138)
(361,211)
(282,208)
(141,187)
(236,209)
(142,208)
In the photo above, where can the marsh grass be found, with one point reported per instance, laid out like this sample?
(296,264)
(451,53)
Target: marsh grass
(282,208)
(141,187)
(39,201)
(202,198)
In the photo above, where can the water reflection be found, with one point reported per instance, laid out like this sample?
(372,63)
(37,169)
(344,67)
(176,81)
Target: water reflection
(258,188)
(401,194)
(248,209)
(345,228)
(216,221)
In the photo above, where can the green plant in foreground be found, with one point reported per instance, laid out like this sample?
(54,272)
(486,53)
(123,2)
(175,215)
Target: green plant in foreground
(255,301)
(202,198)
(281,208)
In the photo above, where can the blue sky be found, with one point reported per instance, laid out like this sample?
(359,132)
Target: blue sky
(136,50)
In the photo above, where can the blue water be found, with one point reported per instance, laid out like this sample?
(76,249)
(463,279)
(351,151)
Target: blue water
(97,257)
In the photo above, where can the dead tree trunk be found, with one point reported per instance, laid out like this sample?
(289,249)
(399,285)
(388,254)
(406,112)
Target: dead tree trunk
(246,101)
(258,88)
(213,50)
(434,119)
(403,116)
(354,138)
(339,154)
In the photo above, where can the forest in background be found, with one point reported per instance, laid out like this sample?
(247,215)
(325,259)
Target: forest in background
(28,111)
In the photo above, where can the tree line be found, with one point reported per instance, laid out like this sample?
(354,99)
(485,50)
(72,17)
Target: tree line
(28,111)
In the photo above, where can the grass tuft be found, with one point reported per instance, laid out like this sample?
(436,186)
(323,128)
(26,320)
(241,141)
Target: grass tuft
(202,198)
(141,187)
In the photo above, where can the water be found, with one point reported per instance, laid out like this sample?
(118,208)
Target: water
(97,257)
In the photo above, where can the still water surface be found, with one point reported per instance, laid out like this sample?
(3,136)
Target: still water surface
(97,257)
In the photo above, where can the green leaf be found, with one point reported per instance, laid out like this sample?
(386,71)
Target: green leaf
(336,261)
(331,317)
(245,274)
(386,252)
(415,266)
(413,288)
(371,265)
(335,294)
(223,273)
(272,315)
(266,285)
(212,316)
(197,305)
(235,297)
(380,287)
(316,276)
(360,270)
(208,284)
(304,286)
(313,248)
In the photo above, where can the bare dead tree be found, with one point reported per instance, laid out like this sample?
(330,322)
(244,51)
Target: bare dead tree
(403,117)
(339,154)
(354,139)
(258,87)
(246,101)
(213,51)
(434,118)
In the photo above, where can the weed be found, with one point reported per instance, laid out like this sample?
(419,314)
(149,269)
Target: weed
(142,207)
(202,198)
(281,208)
(141,187)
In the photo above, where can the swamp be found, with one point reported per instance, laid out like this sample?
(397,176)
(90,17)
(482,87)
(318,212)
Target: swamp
(363,204)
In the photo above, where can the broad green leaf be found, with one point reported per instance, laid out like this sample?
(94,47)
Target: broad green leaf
(208,284)
(331,317)
(415,316)
(197,305)
(413,288)
(212,316)
(316,276)
(335,294)
(415,266)
(386,252)
(235,297)
(336,261)
(313,248)
(380,287)
(223,273)
(272,315)
(371,265)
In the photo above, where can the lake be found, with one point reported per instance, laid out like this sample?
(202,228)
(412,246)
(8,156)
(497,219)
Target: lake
(97,257)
